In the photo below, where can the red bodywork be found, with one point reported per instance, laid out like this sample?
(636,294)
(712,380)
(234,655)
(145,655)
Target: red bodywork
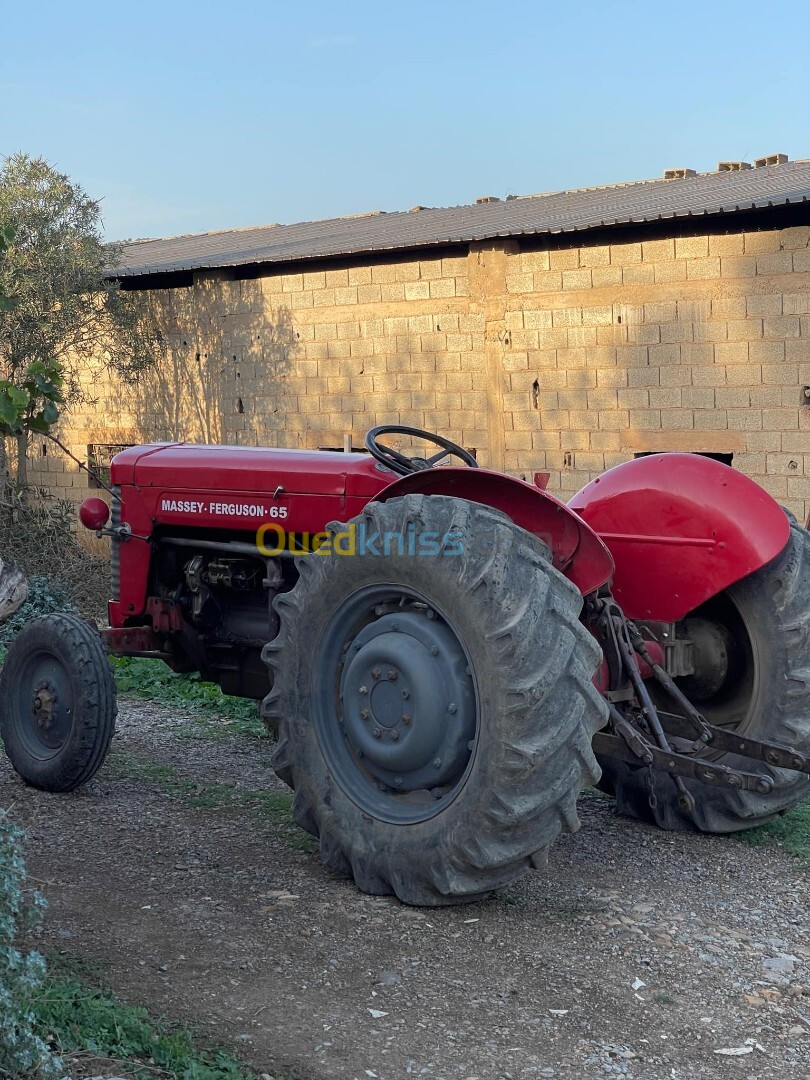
(680,527)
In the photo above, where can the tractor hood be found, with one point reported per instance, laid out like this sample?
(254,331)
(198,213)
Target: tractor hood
(189,466)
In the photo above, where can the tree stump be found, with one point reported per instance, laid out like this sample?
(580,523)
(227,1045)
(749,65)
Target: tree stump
(13,589)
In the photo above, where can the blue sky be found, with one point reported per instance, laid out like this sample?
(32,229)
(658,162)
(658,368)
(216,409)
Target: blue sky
(184,117)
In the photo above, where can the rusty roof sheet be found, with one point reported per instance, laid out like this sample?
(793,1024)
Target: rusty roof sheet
(531,215)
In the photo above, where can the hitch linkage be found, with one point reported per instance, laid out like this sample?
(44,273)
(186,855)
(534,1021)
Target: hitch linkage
(641,734)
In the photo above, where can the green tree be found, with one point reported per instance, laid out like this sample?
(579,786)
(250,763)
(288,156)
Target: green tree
(66,321)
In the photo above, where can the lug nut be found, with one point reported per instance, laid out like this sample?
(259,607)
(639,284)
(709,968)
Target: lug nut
(364,714)
(392,674)
(394,735)
(376,673)
(437,763)
(434,650)
(406,718)
(376,733)
(405,695)
(452,707)
(362,690)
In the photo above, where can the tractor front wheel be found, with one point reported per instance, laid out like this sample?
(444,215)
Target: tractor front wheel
(57,702)
(433,701)
(756,637)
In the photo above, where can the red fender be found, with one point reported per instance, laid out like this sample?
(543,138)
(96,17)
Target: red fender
(575,549)
(681,528)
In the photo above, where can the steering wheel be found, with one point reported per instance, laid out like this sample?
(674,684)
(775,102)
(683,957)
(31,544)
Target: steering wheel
(398,463)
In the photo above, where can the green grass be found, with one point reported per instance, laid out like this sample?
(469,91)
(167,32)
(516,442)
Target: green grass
(213,714)
(268,807)
(82,1019)
(790,831)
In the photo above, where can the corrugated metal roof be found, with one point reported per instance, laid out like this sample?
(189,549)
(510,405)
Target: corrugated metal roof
(558,212)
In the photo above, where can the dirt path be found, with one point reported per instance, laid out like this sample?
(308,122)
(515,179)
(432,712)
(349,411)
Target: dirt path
(636,953)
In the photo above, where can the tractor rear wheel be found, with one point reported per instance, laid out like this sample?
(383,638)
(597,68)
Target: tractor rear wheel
(434,709)
(57,702)
(761,626)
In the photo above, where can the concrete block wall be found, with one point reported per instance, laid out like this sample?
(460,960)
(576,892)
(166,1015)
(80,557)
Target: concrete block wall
(566,359)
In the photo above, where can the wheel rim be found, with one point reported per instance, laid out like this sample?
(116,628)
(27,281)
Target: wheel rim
(733,705)
(42,705)
(398,721)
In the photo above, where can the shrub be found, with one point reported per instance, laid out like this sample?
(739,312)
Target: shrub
(22,1052)
(37,532)
(44,596)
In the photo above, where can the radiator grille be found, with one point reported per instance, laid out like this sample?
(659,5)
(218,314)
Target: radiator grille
(115,551)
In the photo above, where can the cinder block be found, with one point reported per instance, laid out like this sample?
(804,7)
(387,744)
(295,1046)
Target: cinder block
(611,377)
(642,274)
(738,266)
(743,374)
(417,290)
(546,281)
(598,316)
(691,247)
(731,352)
(442,288)
(359,275)
(779,262)
(736,397)
(797,236)
(665,397)
(783,419)
(624,254)
(744,329)
(644,376)
(614,421)
(407,271)
(536,318)
(732,244)
(781,327)
(744,419)
(576,279)
(669,271)
(657,251)
(520,283)
(634,397)
(701,269)
(645,419)
(762,243)
(564,259)
(598,255)
(530,261)
(605,277)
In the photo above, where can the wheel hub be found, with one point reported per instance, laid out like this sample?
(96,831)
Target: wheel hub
(44,705)
(408,701)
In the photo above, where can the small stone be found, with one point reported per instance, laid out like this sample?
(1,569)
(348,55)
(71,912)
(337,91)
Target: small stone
(796,1030)
(388,978)
(780,966)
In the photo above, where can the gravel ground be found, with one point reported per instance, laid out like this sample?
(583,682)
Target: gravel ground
(636,953)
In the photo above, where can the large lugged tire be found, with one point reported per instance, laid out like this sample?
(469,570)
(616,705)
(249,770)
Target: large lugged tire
(57,703)
(434,711)
(766,697)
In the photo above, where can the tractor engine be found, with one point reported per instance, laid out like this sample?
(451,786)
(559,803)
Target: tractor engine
(225,608)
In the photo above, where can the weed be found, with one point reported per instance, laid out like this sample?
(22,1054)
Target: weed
(214,714)
(80,1018)
(22,1051)
(790,831)
(664,999)
(270,807)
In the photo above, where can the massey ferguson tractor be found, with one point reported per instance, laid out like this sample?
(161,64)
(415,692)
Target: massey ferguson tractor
(448,655)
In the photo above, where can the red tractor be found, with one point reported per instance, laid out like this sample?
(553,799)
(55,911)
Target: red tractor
(447,655)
